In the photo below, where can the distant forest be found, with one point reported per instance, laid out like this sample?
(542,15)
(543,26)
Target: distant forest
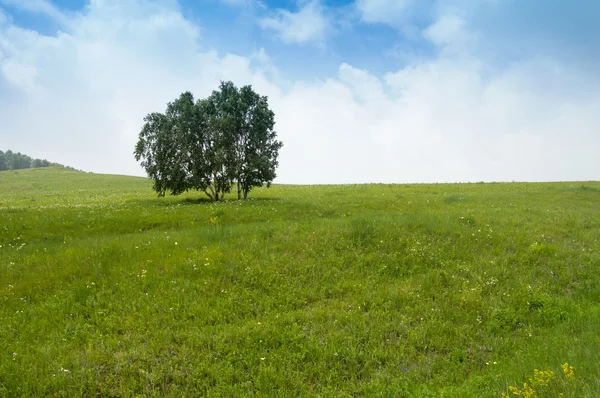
(16,161)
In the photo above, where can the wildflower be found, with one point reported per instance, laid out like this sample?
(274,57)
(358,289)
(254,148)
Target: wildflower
(542,377)
(569,371)
(526,392)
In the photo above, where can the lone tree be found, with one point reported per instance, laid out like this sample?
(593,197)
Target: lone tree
(211,144)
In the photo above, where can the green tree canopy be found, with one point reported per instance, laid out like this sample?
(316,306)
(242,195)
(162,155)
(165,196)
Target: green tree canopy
(211,144)
(3,164)
(10,160)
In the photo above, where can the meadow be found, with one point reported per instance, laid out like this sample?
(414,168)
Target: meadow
(414,290)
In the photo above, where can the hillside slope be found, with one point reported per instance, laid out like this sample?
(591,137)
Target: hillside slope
(389,290)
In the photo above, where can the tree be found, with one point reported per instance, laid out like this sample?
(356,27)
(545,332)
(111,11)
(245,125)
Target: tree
(257,146)
(210,144)
(3,164)
(247,123)
(8,159)
(21,161)
(15,161)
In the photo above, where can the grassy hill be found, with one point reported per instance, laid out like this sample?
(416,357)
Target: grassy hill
(451,290)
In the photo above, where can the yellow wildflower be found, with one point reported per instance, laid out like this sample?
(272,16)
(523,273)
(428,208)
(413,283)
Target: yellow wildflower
(542,377)
(528,392)
(515,390)
(569,371)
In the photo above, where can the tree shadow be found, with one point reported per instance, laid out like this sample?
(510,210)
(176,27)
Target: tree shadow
(269,199)
(193,201)
(170,201)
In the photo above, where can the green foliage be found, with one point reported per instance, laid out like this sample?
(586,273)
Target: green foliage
(18,161)
(357,290)
(211,144)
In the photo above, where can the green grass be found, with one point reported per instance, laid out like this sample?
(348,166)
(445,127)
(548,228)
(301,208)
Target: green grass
(453,290)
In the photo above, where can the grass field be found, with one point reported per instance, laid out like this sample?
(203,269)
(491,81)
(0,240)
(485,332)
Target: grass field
(453,290)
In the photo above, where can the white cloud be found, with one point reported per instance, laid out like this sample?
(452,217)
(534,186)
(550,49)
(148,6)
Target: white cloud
(79,98)
(449,31)
(382,11)
(37,6)
(3,17)
(243,3)
(365,87)
(309,24)
(19,74)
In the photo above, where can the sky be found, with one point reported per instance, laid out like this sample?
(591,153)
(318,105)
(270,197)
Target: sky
(364,91)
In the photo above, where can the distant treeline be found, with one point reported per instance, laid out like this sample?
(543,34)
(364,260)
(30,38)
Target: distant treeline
(16,161)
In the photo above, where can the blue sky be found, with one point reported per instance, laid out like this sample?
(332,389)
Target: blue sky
(376,90)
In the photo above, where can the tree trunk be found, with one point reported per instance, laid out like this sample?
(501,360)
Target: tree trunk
(239,189)
(212,191)
(209,195)
(246,193)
